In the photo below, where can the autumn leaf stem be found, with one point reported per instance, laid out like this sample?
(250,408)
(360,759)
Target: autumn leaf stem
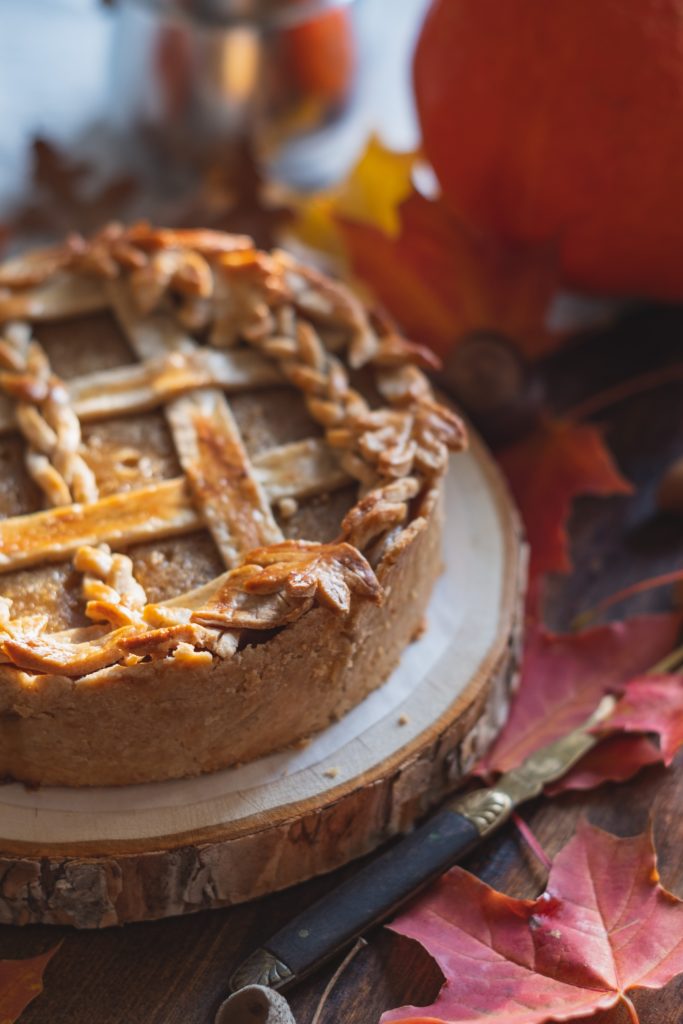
(671,662)
(531,841)
(627,389)
(588,616)
(632,1012)
(335,978)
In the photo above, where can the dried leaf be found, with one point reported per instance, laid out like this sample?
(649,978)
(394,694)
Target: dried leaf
(604,927)
(564,677)
(62,198)
(651,705)
(641,587)
(371,194)
(441,283)
(616,759)
(546,470)
(233,195)
(20,982)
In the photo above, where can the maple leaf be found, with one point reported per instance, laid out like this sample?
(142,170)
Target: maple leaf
(565,676)
(615,759)
(604,927)
(232,194)
(20,982)
(653,704)
(63,198)
(434,276)
(546,470)
(370,194)
(442,283)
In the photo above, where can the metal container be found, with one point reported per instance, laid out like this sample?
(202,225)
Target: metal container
(192,76)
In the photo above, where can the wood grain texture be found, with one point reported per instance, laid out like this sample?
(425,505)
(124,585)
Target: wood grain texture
(175,971)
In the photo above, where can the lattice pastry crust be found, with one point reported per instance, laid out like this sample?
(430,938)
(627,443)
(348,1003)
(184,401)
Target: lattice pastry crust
(294,632)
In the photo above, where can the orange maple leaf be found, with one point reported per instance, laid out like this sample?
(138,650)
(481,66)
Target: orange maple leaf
(370,194)
(433,275)
(441,282)
(20,982)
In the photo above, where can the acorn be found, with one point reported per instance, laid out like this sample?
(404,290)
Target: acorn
(494,384)
(670,490)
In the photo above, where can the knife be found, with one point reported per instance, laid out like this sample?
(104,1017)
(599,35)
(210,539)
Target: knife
(377,890)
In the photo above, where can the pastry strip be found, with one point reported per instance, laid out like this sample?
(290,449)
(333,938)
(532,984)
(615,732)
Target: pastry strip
(301,469)
(139,387)
(57,299)
(232,503)
(162,509)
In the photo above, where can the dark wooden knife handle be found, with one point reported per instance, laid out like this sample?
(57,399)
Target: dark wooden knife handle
(369,896)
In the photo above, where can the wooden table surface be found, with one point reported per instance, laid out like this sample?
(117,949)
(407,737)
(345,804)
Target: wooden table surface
(176,971)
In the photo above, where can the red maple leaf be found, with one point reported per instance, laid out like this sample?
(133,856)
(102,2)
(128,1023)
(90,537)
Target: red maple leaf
(604,927)
(20,982)
(615,759)
(546,470)
(653,704)
(564,677)
(441,282)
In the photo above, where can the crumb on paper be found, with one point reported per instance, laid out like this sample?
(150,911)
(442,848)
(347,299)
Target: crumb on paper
(302,744)
(403,719)
(287,507)
(331,773)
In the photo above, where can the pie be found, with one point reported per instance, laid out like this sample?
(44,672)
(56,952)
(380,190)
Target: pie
(221,504)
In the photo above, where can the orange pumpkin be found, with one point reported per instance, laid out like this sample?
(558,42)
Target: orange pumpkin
(562,120)
(320,55)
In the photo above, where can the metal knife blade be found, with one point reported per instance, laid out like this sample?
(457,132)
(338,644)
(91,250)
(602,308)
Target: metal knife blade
(378,889)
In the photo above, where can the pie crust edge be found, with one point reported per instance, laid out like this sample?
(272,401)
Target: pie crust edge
(161,720)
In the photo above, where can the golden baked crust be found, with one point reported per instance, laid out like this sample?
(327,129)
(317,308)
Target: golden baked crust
(184,668)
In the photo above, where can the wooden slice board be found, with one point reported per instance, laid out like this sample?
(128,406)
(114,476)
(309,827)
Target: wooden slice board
(100,857)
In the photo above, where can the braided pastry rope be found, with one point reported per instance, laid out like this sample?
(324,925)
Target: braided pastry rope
(46,419)
(110,589)
(114,595)
(393,452)
(117,248)
(53,432)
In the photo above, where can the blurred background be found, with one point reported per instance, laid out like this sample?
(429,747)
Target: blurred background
(169,91)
